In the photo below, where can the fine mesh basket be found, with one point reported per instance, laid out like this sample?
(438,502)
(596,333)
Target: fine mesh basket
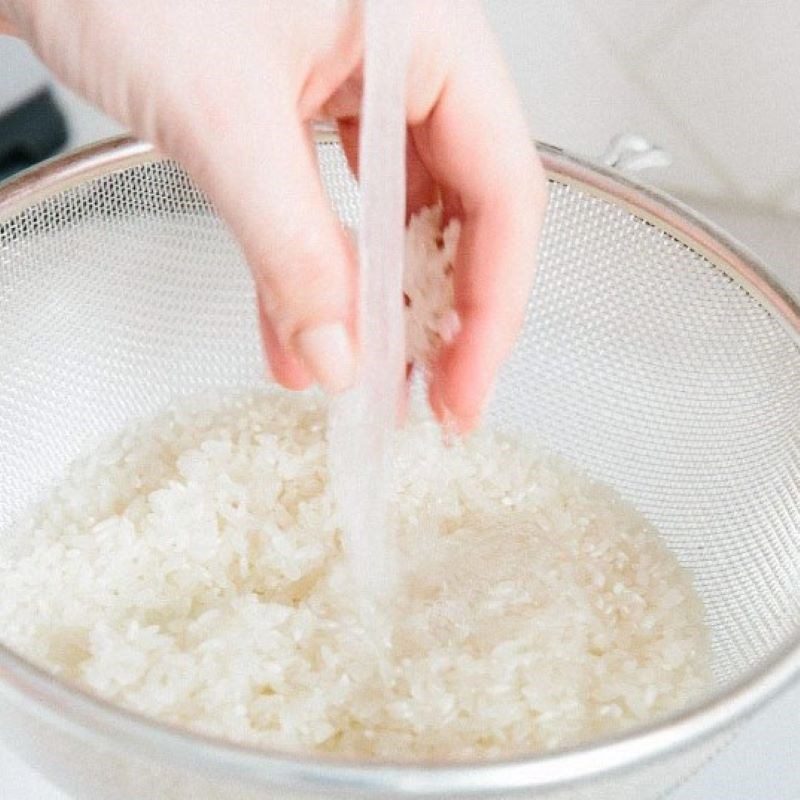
(656,355)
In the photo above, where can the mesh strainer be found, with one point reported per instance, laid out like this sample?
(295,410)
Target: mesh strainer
(656,354)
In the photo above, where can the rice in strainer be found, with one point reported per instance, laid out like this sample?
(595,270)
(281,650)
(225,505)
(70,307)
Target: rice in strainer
(192,571)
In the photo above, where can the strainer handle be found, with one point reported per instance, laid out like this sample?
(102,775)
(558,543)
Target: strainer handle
(632,152)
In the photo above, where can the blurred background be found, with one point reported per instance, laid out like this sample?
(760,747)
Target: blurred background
(715,83)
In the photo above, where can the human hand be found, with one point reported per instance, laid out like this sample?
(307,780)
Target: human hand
(230,90)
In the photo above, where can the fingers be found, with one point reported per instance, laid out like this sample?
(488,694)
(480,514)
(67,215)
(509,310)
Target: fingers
(270,194)
(231,106)
(476,145)
(469,137)
(493,276)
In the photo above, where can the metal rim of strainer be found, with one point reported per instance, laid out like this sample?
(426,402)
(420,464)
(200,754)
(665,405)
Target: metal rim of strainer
(88,717)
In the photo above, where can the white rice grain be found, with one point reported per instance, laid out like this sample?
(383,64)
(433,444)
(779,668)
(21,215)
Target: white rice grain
(192,571)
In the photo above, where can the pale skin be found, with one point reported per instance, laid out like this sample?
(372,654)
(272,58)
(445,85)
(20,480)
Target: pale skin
(230,90)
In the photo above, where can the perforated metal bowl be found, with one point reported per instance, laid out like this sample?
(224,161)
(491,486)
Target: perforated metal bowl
(656,354)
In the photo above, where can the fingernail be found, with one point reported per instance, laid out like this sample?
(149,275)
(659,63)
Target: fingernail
(328,354)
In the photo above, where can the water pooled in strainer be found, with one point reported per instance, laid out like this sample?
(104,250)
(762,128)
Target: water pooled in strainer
(362,420)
